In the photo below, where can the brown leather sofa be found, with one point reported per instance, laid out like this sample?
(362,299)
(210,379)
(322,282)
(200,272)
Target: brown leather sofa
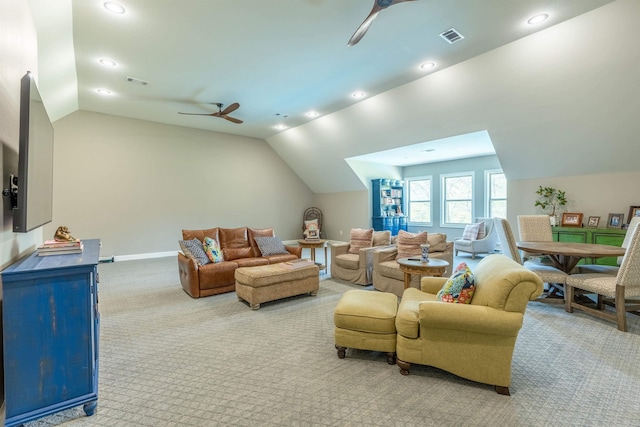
(239,250)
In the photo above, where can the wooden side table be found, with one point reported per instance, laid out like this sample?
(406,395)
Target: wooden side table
(312,245)
(433,267)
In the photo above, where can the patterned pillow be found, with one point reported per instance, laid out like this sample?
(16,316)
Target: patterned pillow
(471,231)
(195,251)
(213,251)
(360,238)
(270,246)
(481,231)
(460,286)
(409,244)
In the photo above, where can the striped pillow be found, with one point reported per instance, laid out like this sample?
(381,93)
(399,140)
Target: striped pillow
(360,238)
(409,243)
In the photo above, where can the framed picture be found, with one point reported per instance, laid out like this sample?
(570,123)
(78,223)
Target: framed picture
(633,211)
(593,221)
(571,219)
(615,220)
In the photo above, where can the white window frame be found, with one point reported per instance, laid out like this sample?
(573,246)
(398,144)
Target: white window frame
(487,191)
(420,178)
(443,199)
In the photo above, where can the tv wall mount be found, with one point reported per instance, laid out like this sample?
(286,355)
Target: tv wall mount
(12,191)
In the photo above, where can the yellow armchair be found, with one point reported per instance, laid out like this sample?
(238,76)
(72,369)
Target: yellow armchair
(474,341)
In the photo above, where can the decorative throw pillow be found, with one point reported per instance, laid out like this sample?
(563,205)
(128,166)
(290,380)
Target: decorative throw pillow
(360,238)
(460,286)
(471,231)
(481,231)
(408,244)
(270,246)
(212,250)
(196,251)
(381,238)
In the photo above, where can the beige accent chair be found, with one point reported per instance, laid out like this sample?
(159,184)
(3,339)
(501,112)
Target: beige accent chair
(548,273)
(622,290)
(357,268)
(474,341)
(612,269)
(387,276)
(484,245)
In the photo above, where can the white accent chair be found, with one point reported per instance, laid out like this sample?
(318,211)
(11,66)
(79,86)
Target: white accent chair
(611,290)
(484,245)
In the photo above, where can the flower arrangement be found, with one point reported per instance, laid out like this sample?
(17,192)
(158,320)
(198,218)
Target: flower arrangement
(550,199)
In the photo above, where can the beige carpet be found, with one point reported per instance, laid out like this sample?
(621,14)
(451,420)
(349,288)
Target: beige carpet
(169,360)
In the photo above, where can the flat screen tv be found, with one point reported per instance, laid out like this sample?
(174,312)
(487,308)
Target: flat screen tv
(35,161)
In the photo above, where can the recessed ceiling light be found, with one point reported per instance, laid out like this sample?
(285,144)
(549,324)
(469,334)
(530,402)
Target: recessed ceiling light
(358,95)
(427,65)
(107,62)
(312,114)
(280,127)
(103,91)
(538,19)
(114,7)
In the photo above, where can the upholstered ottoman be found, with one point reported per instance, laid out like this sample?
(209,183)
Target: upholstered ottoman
(264,283)
(366,320)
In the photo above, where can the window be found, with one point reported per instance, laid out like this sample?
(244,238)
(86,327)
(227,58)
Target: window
(496,194)
(457,198)
(420,200)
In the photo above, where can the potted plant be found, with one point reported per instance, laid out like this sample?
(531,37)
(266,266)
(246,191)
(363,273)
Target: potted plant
(550,200)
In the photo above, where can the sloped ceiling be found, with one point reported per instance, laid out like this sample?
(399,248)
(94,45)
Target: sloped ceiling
(560,102)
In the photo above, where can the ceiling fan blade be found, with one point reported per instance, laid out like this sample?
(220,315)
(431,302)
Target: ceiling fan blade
(199,114)
(232,119)
(231,108)
(378,5)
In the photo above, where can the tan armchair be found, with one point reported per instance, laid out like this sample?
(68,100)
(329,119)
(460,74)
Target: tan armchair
(387,276)
(357,268)
(474,341)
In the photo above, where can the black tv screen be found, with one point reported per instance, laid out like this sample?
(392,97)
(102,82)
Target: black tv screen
(35,161)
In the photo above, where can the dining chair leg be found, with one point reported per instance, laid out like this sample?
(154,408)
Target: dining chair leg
(621,312)
(568,298)
(600,302)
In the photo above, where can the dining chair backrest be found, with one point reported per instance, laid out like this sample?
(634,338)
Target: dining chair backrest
(629,273)
(627,237)
(507,241)
(535,228)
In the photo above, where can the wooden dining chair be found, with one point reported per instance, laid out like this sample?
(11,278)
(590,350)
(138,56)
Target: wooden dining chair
(612,269)
(615,290)
(550,275)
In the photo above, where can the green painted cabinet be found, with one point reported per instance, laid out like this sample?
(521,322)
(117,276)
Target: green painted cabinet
(601,236)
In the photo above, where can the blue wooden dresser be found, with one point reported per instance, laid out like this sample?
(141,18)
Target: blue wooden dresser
(51,330)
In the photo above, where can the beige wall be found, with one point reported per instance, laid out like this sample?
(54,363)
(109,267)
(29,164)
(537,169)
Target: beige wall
(344,211)
(18,54)
(136,184)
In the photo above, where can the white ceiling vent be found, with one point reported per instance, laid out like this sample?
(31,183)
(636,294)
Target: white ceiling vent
(136,81)
(451,35)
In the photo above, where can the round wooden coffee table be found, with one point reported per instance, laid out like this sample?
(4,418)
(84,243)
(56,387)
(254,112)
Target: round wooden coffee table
(433,267)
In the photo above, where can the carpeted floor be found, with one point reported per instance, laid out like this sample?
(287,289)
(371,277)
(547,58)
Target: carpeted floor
(169,360)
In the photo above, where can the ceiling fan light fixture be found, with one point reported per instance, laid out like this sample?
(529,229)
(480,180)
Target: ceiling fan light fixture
(114,7)
(538,19)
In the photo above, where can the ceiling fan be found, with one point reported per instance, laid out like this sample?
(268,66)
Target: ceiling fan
(378,5)
(221,113)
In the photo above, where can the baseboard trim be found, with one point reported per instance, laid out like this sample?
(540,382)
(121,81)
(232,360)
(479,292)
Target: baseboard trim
(144,256)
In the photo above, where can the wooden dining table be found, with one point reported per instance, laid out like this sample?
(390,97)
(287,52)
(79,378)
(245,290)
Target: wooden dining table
(566,255)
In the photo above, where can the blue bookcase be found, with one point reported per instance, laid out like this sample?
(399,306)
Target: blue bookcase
(389,205)
(51,328)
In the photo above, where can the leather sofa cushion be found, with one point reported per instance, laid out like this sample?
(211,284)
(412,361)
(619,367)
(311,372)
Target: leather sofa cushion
(233,238)
(234,253)
(258,232)
(214,275)
(251,261)
(201,234)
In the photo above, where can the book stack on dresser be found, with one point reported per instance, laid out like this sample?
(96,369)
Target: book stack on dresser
(54,247)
